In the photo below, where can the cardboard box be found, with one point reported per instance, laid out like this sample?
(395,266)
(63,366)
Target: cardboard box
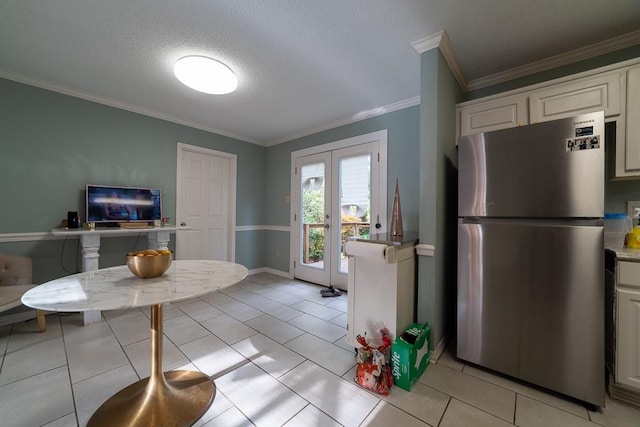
(409,361)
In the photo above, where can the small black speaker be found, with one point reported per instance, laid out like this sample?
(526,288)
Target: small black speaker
(72,220)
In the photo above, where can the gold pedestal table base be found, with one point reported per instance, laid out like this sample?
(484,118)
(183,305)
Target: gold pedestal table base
(175,398)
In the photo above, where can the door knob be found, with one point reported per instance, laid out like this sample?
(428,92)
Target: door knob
(183,224)
(326,226)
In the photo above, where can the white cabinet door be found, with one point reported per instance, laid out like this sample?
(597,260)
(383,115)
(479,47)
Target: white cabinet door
(630,145)
(507,112)
(581,96)
(628,325)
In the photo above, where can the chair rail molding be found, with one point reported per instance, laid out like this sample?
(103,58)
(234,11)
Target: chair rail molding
(284,228)
(27,237)
(423,249)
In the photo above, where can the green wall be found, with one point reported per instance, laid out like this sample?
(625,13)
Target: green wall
(52,145)
(402,162)
(439,92)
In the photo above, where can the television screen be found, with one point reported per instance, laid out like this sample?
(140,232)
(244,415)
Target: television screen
(122,204)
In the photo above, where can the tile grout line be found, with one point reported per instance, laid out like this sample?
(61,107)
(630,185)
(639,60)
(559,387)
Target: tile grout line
(66,357)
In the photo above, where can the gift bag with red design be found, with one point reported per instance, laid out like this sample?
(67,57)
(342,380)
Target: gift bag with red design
(373,371)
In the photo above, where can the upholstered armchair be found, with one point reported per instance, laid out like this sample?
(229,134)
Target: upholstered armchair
(15,280)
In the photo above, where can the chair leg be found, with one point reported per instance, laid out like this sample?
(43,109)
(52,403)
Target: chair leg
(41,322)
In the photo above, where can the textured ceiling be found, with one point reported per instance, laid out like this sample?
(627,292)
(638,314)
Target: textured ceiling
(302,65)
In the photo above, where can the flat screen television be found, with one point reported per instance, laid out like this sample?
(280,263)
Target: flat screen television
(106,204)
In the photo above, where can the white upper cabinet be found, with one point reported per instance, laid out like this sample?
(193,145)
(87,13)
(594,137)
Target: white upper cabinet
(580,96)
(614,89)
(501,113)
(629,145)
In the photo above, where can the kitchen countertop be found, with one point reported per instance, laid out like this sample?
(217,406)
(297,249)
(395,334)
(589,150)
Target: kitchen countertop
(408,238)
(627,254)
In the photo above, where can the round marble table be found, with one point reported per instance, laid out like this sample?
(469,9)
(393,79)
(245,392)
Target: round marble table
(174,398)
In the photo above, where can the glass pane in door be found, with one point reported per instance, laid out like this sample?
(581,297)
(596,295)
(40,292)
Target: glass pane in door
(355,202)
(312,188)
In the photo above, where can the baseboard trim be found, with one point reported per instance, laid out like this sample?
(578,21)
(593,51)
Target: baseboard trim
(439,349)
(280,273)
(284,274)
(623,393)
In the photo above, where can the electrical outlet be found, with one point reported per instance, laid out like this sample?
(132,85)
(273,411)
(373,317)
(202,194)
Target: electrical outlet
(633,209)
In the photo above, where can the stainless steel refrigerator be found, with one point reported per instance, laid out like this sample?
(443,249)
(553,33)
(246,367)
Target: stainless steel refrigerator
(531,254)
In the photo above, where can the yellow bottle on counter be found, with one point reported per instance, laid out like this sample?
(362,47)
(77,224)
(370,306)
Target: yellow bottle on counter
(633,238)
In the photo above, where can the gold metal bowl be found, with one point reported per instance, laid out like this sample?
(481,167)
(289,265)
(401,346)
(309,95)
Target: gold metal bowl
(146,267)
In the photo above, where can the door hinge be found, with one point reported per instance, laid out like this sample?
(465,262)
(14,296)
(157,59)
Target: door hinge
(378,157)
(294,264)
(295,170)
(295,217)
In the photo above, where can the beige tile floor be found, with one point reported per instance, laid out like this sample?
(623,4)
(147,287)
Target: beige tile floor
(276,350)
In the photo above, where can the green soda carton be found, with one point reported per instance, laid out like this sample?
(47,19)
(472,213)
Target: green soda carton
(410,355)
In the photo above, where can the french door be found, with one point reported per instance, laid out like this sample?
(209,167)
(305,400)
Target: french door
(337,196)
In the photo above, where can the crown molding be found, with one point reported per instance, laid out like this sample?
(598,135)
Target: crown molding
(400,105)
(140,110)
(438,40)
(116,104)
(428,43)
(441,41)
(588,52)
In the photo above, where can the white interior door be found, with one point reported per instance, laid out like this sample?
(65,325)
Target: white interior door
(206,203)
(336,196)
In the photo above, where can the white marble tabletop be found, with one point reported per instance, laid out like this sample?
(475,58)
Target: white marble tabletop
(117,288)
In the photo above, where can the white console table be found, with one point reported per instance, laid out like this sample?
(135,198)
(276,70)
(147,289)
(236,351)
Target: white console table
(157,237)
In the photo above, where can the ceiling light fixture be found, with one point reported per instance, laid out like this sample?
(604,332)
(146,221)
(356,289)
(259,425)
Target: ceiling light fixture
(205,75)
